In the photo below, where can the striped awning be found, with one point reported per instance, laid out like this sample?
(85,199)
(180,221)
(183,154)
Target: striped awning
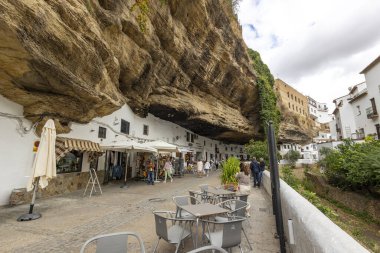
(65,145)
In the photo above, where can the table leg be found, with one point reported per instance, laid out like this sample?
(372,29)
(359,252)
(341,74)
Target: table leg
(196,233)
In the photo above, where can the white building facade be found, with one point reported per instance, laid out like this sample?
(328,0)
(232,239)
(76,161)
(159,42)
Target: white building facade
(356,113)
(17,139)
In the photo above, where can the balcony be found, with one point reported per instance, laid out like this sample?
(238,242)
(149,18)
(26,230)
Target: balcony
(357,95)
(371,113)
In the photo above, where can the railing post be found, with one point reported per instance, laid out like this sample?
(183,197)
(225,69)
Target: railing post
(275,183)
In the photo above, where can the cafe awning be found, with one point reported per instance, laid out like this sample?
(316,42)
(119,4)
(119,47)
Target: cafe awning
(65,145)
(161,146)
(124,146)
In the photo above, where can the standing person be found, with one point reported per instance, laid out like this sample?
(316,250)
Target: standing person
(243,179)
(262,168)
(244,186)
(255,169)
(168,167)
(216,164)
(200,167)
(207,167)
(150,168)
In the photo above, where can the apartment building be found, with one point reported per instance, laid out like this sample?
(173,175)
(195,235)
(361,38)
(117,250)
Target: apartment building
(292,99)
(356,113)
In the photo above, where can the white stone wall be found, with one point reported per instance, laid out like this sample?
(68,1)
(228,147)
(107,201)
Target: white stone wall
(16,150)
(372,78)
(313,231)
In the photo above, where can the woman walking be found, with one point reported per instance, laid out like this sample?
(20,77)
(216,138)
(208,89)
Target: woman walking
(168,167)
(244,187)
(243,179)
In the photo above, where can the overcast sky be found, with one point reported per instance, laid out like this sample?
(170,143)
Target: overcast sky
(317,46)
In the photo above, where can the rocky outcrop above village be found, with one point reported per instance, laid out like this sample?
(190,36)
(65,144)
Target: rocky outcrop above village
(293,130)
(183,61)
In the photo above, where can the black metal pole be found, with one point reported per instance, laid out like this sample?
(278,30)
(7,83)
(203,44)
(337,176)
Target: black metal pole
(275,181)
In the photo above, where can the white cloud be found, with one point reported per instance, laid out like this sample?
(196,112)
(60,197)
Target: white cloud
(317,46)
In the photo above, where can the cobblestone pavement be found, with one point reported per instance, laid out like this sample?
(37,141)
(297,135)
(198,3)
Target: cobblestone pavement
(69,220)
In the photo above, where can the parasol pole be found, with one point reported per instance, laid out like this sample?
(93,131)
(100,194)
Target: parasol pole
(31,216)
(125,174)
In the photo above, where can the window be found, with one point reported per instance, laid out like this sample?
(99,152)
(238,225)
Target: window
(231,149)
(124,128)
(293,107)
(204,143)
(146,130)
(302,102)
(192,138)
(71,162)
(291,96)
(288,92)
(299,101)
(289,104)
(187,136)
(358,108)
(102,132)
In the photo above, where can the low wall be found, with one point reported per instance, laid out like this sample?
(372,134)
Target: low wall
(313,231)
(352,200)
(63,183)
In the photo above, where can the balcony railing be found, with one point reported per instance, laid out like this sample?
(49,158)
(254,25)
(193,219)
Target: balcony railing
(371,113)
(354,96)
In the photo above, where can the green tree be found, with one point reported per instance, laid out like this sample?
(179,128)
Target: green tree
(258,149)
(354,166)
(267,96)
(292,156)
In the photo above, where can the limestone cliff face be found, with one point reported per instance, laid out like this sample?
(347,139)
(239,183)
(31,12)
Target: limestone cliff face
(78,59)
(293,129)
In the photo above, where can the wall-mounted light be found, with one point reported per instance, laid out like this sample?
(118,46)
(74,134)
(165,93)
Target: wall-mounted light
(92,130)
(116,135)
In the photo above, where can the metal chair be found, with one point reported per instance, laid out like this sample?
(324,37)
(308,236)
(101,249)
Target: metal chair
(173,232)
(237,209)
(113,243)
(225,234)
(207,248)
(206,197)
(184,201)
(195,194)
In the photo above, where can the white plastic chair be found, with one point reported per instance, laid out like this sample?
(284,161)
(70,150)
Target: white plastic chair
(113,243)
(208,248)
(173,232)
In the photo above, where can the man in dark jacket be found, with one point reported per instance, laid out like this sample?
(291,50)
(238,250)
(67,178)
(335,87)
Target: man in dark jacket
(262,168)
(255,171)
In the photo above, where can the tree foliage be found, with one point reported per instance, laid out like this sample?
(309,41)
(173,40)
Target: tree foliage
(354,166)
(292,156)
(258,149)
(267,96)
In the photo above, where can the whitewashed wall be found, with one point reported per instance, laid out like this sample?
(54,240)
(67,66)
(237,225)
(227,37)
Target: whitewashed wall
(372,78)
(313,231)
(16,150)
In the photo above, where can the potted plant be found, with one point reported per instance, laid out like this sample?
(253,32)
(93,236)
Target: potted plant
(229,170)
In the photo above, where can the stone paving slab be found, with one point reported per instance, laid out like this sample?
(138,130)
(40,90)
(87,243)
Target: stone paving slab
(69,220)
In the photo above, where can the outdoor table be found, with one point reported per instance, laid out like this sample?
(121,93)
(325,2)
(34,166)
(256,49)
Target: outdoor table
(201,211)
(220,192)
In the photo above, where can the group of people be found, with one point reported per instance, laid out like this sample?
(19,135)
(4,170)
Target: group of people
(168,170)
(256,168)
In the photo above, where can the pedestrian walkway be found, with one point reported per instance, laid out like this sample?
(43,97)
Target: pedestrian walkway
(69,220)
